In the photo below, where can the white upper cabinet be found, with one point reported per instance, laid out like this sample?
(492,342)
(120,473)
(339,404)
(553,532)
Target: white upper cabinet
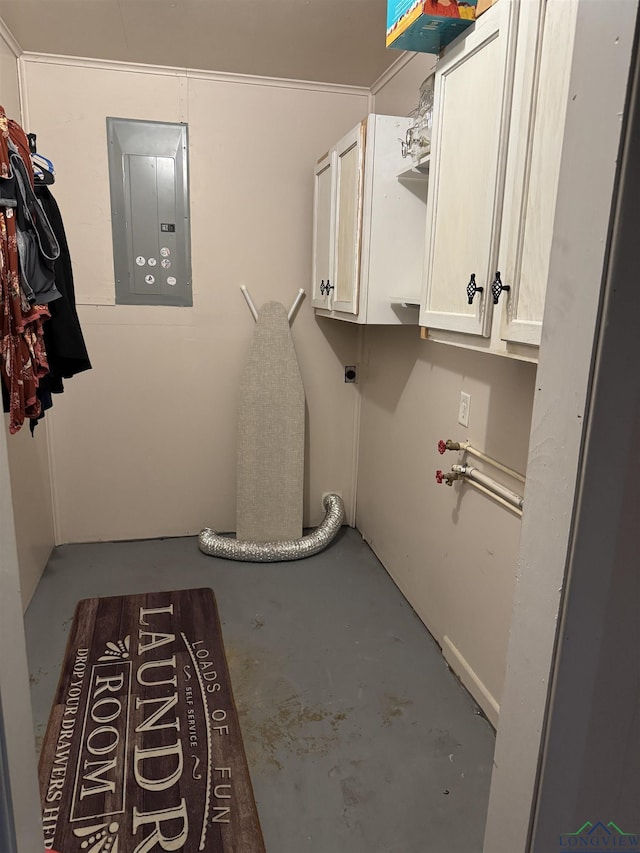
(499,115)
(368,247)
(470,121)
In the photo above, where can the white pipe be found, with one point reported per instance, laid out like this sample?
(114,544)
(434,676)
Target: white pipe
(471,473)
(296,302)
(250,303)
(480,455)
(464,445)
(495,497)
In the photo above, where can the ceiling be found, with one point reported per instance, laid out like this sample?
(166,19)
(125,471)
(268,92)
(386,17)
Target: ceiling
(331,41)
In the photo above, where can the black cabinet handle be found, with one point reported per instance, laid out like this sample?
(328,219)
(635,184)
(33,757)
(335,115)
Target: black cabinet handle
(497,287)
(325,289)
(472,288)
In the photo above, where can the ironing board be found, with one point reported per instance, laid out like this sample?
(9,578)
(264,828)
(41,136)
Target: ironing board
(271,421)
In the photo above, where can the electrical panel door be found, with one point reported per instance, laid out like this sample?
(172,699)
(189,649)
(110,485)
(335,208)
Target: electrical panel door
(148,176)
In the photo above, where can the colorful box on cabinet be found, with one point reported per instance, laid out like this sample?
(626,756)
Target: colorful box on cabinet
(483,5)
(427,25)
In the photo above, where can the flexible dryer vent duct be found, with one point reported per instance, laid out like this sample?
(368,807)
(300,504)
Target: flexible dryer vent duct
(211,543)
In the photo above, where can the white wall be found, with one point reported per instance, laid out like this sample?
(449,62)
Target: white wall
(28,457)
(9,89)
(452,551)
(32,504)
(15,702)
(26,539)
(144,444)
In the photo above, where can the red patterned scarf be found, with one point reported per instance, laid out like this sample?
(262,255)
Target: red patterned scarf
(23,360)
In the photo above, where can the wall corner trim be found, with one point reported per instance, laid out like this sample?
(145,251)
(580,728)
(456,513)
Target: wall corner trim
(396,66)
(10,39)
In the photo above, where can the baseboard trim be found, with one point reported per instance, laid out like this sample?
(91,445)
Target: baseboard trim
(468,677)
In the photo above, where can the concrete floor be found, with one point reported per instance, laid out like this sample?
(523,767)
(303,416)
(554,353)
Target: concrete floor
(358,737)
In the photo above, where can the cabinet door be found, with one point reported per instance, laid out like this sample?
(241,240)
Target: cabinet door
(323,228)
(541,91)
(349,166)
(471,110)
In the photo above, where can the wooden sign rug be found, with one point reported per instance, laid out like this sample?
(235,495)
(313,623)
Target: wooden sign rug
(143,751)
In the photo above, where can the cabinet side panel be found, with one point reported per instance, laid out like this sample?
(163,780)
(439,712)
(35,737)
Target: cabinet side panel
(393,246)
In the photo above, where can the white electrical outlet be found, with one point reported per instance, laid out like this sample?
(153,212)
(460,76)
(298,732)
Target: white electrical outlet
(463,411)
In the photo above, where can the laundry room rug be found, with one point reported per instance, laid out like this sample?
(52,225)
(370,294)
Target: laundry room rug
(143,750)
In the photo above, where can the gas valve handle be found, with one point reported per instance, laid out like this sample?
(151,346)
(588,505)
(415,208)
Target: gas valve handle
(439,477)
